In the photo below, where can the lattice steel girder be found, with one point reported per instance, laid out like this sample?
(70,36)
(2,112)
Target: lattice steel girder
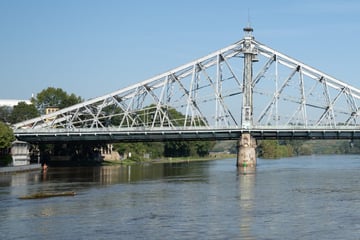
(304,98)
(92,108)
(209,91)
(308,70)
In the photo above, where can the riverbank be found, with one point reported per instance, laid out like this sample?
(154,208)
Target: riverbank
(168,160)
(15,169)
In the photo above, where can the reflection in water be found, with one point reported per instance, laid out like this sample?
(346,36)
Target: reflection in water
(246,169)
(47,212)
(246,189)
(108,175)
(204,200)
(18,180)
(43,175)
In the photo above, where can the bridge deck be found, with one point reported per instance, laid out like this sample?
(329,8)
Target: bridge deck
(146,135)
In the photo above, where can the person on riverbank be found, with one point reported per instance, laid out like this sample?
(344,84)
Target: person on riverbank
(44,160)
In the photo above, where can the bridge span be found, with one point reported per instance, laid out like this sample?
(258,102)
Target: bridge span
(244,91)
(149,135)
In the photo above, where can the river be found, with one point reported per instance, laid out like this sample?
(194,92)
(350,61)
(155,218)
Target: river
(316,197)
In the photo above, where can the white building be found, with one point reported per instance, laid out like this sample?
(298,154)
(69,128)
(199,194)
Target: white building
(12,102)
(20,153)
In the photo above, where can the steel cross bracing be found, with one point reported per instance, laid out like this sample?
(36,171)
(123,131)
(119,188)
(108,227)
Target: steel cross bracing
(206,95)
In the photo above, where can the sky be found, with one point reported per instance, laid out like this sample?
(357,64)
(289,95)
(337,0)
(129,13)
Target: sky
(94,47)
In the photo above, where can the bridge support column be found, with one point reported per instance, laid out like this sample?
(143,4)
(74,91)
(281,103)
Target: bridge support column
(246,156)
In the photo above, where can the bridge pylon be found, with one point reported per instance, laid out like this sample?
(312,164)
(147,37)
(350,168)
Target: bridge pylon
(246,157)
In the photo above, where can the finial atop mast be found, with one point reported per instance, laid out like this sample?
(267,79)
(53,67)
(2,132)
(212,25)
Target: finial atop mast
(248,30)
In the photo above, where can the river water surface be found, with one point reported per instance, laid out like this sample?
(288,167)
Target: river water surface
(314,197)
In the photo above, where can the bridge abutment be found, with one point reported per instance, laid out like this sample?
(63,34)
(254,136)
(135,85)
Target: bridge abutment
(246,154)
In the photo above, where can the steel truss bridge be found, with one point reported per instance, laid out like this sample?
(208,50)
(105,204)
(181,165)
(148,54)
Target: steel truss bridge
(246,87)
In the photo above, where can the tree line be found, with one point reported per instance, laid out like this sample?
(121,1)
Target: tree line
(57,97)
(270,149)
(50,97)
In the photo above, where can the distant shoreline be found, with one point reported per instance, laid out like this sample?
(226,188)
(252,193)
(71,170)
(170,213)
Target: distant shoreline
(169,160)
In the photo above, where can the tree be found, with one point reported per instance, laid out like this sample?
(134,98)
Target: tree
(300,147)
(22,112)
(6,136)
(5,113)
(305,149)
(137,150)
(273,149)
(54,97)
(70,100)
(177,149)
(115,112)
(200,148)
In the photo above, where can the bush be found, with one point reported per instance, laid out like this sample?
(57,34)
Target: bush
(5,160)
(6,136)
(272,149)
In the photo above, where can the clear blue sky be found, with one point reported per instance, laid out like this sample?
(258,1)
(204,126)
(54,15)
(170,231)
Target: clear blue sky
(91,48)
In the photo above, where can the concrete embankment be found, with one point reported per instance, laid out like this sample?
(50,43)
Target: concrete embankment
(25,168)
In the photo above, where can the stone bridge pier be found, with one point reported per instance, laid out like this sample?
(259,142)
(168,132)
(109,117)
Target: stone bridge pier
(246,154)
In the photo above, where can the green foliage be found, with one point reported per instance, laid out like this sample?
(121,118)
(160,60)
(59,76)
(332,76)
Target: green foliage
(187,148)
(22,112)
(6,136)
(233,149)
(146,117)
(167,149)
(334,146)
(272,149)
(277,149)
(351,146)
(5,160)
(149,117)
(50,97)
(166,115)
(5,113)
(54,97)
(116,112)
(155,149)
(138,150)
(203,147)
(177,149)
(305,149)
(300,147)
(70,100)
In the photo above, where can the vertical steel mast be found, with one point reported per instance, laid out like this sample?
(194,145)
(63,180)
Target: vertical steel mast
(250,53)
